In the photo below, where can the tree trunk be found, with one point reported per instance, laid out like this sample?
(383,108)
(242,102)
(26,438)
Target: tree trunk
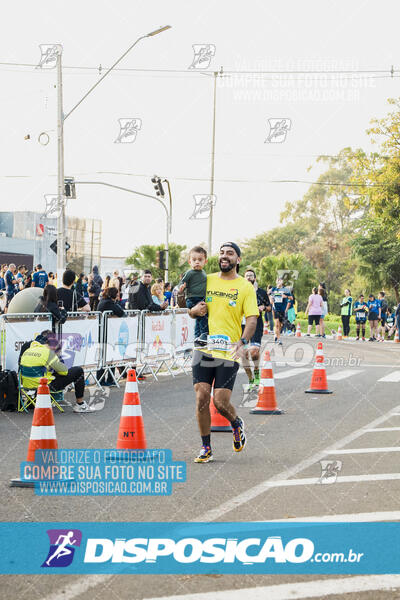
(396,291)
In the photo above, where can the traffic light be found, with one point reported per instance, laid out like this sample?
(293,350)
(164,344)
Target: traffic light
(160,259)
(69,188)
(158,186)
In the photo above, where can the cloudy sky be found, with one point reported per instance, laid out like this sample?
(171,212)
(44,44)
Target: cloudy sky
(175,106)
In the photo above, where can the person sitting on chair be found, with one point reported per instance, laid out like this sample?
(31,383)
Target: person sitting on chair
(41,359)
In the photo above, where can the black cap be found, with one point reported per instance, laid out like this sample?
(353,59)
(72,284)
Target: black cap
(232,245)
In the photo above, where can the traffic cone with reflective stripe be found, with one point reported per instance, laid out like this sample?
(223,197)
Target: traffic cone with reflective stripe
(218,422)
(339,333)
(266,404)
(396,337)
(319,383)
(298,330)
(131,434)
(266,327)
(43,431)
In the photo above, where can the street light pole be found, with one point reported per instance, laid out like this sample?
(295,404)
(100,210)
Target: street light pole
(210,218)
(60,173)
(169,227)
(61,254)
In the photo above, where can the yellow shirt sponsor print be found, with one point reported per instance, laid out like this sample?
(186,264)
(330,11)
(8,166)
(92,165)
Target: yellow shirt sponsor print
(228,300)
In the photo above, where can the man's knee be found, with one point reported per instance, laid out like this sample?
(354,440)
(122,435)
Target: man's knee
(76,373)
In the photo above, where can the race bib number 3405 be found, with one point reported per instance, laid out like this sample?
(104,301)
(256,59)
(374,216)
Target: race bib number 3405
(219,342)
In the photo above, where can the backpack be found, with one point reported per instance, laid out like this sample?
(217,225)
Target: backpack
(94,288)
(8,390)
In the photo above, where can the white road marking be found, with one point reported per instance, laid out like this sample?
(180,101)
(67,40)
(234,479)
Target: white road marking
(377,429)
(220,511)
(343,374)
(340,479)
(291,372)
(373,517)
(364,450)
(305,589)
(391,377)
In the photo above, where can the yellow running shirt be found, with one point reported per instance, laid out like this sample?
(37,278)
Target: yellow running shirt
(228,300)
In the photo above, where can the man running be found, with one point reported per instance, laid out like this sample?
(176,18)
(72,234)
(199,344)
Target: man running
(280,295)
(253,353)
(229,297)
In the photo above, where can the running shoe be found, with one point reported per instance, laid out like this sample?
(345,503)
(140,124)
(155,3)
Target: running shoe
(280,343)
(239,438)
(83,408)
(357,338)
(205,455)
(363,339)
(371,339)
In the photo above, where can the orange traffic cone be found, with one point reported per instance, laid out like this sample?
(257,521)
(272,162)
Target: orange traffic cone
(131,434)
(339,333)
(298,330)
(319,383)
(266,404)
(218,422)
(396,337)
(43,432)
(266,327)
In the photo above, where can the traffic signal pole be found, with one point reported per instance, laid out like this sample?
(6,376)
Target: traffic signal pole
(167,212)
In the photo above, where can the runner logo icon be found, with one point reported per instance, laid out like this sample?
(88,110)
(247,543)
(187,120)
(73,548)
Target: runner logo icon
(62,547)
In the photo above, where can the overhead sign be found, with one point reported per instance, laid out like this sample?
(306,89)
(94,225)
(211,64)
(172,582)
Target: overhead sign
(53,246)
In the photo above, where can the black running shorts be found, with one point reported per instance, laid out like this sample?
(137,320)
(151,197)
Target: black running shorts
(207,369)
(279,315)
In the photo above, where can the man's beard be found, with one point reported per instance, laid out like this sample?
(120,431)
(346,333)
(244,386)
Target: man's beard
(226,268)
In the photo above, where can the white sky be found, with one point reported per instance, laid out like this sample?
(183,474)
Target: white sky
(176,109)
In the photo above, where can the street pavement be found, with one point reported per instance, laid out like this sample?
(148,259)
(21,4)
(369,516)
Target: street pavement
(277,476)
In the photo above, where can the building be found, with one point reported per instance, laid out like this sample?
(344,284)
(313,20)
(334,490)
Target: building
(109,264)
(26,237)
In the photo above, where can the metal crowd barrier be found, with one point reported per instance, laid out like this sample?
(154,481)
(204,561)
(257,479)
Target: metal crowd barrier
(101,342)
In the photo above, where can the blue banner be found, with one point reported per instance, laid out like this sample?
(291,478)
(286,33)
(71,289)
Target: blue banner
(168,548)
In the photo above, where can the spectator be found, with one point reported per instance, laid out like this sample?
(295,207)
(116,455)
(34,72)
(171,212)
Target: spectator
(79,284)
(157,293)
(374,315)
(109,303)
(106,284)
(142,299)
(20,277)
(10,282)
(167,292)
(134,286)
(314,310)
(95,284)
(28,279)
(115,281)
(42,359)
(39,278)
(85,288)
(124,294)
(346,310)
(70,299)
(2,275)
(390,324)
(48,303)
(51,277)
(324,296)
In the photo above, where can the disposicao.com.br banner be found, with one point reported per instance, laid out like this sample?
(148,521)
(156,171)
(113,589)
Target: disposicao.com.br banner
(167,548)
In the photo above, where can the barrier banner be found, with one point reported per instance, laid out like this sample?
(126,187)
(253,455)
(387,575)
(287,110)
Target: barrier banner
(184,332)
(79,342)
(207,548)
(121,339)
(15,334)
(157,334)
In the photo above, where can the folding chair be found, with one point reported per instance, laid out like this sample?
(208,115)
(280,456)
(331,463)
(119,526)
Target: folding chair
(27,397)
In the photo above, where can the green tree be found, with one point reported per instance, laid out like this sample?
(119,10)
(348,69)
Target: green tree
(144,257)
(379,251)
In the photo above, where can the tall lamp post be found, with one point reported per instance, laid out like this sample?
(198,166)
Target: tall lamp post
(61,254)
